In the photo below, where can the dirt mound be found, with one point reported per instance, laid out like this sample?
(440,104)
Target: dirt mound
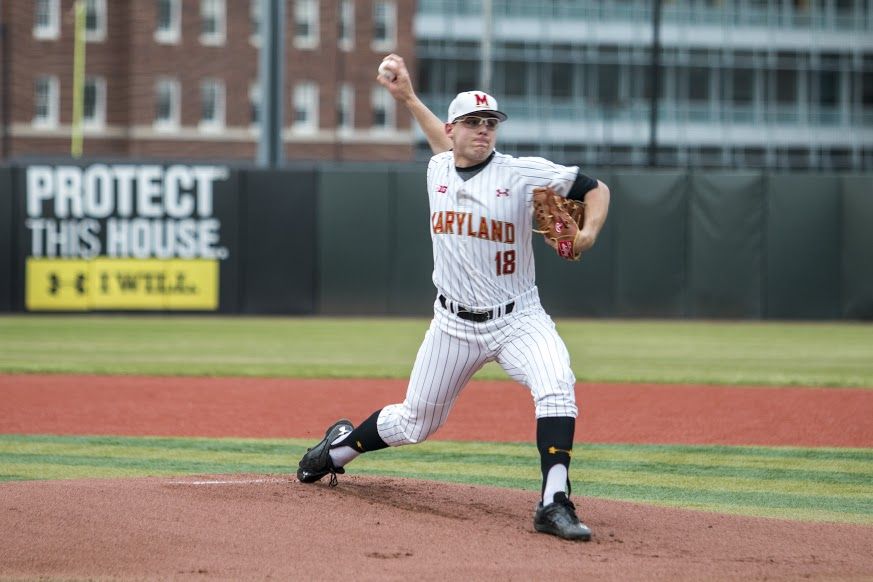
(259,527)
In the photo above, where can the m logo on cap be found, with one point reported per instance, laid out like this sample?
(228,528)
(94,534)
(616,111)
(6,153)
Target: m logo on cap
(481,99)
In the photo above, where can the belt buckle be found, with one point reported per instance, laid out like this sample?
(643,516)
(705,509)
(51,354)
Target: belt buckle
(477,316)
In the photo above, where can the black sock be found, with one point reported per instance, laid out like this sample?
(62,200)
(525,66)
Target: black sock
(365,437)
(555,442)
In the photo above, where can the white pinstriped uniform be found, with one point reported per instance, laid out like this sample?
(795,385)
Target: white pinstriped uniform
(483,260)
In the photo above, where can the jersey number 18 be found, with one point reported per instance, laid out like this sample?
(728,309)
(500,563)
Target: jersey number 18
(505,261)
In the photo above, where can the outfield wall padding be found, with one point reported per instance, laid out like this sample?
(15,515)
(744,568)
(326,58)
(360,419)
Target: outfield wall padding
(354,239)
(410,257)
(857,247)
(649,212)
(6,239)
(355,224)
(227,208)
(278,222)
(803,237)
(726,243)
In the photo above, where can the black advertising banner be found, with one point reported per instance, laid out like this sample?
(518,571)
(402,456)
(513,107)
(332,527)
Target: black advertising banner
(125,237)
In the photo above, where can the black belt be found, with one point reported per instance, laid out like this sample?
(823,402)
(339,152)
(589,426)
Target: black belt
(476,316)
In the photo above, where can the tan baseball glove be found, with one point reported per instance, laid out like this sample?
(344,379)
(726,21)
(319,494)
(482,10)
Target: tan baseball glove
(558,219)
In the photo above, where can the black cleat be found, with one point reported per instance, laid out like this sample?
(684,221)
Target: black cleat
(559,519)
(316,463)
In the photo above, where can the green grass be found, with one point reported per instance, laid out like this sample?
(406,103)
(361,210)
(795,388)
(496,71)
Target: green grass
(792,483)
(772,353)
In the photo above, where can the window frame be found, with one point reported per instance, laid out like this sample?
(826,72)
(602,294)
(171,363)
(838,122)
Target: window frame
(305,96)
(379,95)
(175,87)
(51,30)
(346,108)
(312,38)
(256,34)
(173,34)
(99,119)
(389,43)
(51,119)
(219,36)
(219,107)
(101,17)
(347,25)
(255,105)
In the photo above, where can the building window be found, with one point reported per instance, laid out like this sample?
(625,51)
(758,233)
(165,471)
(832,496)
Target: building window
(306,106)
(866,88)
(305,24)
(828,88)
(212,22)
(46,19)
(347,25)
(562,81)
(45,100)
(94,106)
(211,104)
(786,87)
(255,103)
(743,89)
(698,84)
(167,104)
(384,25)
(466,76)
(255,22)
(345,107)
(95,20)
(169,19)
(514,75)
(383,108)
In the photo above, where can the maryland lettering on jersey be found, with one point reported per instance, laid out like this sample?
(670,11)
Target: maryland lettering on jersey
(464,223)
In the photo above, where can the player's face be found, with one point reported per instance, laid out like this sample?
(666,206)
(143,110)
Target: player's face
(473,138)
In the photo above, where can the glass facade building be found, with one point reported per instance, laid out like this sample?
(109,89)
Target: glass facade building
(783,84)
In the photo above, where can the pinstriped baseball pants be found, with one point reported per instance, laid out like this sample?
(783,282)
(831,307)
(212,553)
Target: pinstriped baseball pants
(526,345)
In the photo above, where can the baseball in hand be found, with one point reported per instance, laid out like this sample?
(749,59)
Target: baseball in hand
(386,72)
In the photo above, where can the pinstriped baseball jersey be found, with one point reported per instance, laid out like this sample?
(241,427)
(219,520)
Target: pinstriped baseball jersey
(481,227)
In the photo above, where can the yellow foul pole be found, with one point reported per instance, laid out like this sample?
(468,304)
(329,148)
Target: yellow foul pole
(78,79)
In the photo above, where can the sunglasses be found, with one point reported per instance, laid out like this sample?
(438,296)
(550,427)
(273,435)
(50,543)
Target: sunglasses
(474,122)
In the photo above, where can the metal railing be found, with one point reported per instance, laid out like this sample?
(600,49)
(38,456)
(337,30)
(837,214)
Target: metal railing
(542,108)
(730,14)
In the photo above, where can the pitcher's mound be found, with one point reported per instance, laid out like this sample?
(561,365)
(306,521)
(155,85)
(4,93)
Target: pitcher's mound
(259,526)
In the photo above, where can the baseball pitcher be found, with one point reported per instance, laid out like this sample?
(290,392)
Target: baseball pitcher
(483,206)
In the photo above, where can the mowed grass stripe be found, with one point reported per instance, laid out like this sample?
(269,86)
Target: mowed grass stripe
(680,460)
(824,484)
(800,474)
(619,474)
(849,459)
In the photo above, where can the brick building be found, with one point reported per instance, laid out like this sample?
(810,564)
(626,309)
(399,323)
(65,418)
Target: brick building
(178,79)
